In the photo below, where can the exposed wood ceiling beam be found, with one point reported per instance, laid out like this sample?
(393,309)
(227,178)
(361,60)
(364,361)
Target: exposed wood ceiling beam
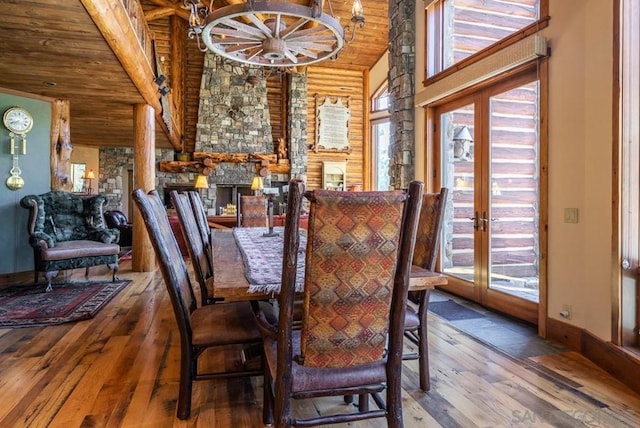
(158,13)
(122,43)
(177,8)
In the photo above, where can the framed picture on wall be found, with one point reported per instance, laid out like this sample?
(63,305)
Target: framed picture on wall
(333,114)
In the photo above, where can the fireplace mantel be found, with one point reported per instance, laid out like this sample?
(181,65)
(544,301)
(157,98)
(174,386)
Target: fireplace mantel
(205,162)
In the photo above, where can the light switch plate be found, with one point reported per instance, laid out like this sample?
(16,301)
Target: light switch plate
(570,215)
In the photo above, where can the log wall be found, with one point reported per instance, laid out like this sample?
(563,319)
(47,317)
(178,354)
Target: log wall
(342,83)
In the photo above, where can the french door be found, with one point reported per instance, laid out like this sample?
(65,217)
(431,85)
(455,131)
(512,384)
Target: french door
(488,148)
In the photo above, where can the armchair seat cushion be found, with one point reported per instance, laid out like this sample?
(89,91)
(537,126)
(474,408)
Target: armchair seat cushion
(82,248)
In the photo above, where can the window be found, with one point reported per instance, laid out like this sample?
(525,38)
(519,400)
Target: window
(77,177)
(381,160)
(460,29)
(380,100)
(380,139)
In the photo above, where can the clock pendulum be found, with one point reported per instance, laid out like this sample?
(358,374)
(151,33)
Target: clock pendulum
(15,182)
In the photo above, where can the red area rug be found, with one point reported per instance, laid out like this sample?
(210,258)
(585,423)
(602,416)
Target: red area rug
(30,306)
(125,255)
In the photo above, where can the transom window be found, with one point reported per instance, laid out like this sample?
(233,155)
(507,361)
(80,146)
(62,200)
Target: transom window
(380,100)
(458,29)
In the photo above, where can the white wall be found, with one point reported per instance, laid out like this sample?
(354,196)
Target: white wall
(378,74)
(580,161)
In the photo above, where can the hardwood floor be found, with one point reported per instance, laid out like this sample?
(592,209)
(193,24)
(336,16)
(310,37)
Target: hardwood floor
(120,369)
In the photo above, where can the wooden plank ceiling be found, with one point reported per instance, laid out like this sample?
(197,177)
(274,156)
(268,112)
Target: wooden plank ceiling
(54,50)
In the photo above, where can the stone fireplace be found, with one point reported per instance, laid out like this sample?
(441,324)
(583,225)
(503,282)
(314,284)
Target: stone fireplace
(234,117)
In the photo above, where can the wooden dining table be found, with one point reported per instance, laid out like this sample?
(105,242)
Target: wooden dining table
(231,284)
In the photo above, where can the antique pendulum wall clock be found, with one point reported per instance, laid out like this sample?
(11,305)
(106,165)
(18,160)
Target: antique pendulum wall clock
(18,122)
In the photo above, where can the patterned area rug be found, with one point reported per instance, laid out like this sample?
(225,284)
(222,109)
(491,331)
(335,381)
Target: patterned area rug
(263,257)
(30,306)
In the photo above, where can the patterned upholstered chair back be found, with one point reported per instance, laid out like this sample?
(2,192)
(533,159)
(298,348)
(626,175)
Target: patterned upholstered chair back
(63,216)
(253,211)
(357,265)
(351,259)
(429,229)
(69,232)
(425,255)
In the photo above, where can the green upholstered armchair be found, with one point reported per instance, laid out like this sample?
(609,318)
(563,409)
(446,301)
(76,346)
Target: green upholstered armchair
(69,232)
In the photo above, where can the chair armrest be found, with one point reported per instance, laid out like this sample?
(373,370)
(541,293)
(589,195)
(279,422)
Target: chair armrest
(107,236)
(266,318)
(41,240)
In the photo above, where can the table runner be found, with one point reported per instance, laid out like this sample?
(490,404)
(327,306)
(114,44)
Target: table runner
(263,258)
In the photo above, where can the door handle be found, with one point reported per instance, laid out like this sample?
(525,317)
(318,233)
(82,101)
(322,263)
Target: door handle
(486,220)
(475,221)
(481,222)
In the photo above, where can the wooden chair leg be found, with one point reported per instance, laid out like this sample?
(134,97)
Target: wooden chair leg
(49,276)
(423,359)
(423,342)
(363,402)
(267,406)
(187,373)
(282,405)
(114,267)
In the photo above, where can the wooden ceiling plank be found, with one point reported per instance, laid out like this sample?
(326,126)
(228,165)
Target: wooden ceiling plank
(112,21)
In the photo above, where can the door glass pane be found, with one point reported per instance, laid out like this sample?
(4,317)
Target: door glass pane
(381,155)
(458,174)
(514,175)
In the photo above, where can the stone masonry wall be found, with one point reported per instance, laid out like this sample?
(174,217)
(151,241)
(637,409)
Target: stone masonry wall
(401,90)
(233,117)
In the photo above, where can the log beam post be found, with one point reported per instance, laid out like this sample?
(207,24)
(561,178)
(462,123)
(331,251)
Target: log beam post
(61,147)
(144,161)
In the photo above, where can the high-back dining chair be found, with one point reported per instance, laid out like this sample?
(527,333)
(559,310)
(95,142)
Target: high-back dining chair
(253,211)
(425,255)
(201,219)
(357,265)
(200,328)
(198,250)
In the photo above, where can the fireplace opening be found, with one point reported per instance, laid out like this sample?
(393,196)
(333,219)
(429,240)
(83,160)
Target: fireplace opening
(228,194)
(178,187)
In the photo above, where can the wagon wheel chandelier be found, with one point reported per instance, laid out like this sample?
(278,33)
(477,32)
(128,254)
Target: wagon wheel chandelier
(272,34)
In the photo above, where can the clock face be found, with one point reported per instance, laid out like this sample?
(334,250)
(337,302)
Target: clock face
(18,120)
